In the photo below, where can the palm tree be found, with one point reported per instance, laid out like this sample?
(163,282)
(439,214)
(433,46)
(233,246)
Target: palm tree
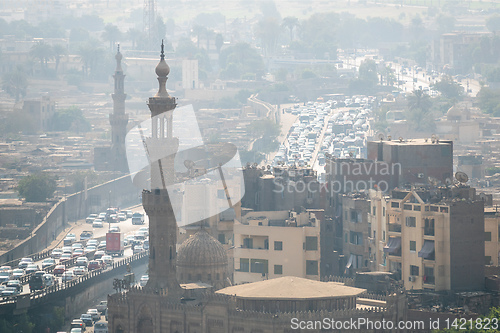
(290,23)
(219,41)
(58,51)
(134,35)
(197,31)
(89,55)
(15,83)
(43,52)
(268,30)
(112,34)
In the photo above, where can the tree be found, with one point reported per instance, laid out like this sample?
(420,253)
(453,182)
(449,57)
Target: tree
(58,51)
(489,101)
(70,119)
(90,54)
(493,23)
(43,52)
(219,42)
(290,23)
(449,88)
(368,71)
(112,34)
(198,31)
(37,187)
(240,59)
(268,30)
(15,83)
(134,35)
(419,114)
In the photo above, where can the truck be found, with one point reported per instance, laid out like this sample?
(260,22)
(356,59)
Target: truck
(114,244)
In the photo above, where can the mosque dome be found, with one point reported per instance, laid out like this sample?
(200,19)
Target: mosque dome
(162,69)
(201,249)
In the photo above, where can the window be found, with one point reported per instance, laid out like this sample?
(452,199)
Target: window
(355,216)
(311,267)
(414,270)
(244,265)
(411,221)
(374,210)
(395,204)
(429,227)
(413,246)
(487,236)
(429,275)
(258,266)
(278,269)
(278,245)
(248,243)
(356,238)
(487,260)
(209,277)
(346,237)
(311,243)
(383,211)
(222,238)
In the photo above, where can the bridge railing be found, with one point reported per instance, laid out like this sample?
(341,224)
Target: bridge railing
(39,296)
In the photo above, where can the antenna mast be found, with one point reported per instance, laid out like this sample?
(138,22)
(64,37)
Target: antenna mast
(149,22)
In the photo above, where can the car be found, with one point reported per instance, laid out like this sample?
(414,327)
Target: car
(17,273)
(137,218)
(5,276)
(93,265)
(102,306)
(102,245)
(96,315)
(49,280)
(76,330)
(31,268)
(102,216)
(36,283)
(102,263)
(114,229)
(129,213)
(77,252)
(89,249)
(98,254)
(145,245)
(82,261)
(129,239)
(59,269)
(56,253)
(87,319)
(138,249)
(122,216)
(86,235)
(101,327)
(65,257)
(113,218)
(92,242)
(144,279)
(76,246)
(48,262)
(144,229)
(67,276)
(67,249)
(79,271)
(107,259)
(90,218)
(77,324)
(71,236)
(97,224)
(10,291)
(24,262)
(16,284)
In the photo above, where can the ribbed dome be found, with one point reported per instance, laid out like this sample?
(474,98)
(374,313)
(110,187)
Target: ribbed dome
(201,249)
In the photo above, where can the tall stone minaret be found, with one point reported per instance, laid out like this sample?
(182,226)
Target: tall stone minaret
(161,148)
(118,120)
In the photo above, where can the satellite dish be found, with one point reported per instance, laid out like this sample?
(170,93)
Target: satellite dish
(248,164)
(448,181)
(189,164)
(381,136)
(268,167)
(461,177)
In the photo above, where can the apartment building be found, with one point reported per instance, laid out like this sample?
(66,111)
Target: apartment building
(272,244)
(433,238)
(492,236)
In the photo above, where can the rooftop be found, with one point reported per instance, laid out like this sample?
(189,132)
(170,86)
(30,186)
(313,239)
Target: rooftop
(291,288)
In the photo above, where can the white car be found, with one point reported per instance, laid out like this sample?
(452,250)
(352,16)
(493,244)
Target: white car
(79,270)
(67,276)
(107,259)
(48,262)
(97,224)
(82,261)
(101,327)
(92,242)
(56,253)
(144,279)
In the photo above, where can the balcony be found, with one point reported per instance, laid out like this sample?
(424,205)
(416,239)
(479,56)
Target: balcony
(394,227)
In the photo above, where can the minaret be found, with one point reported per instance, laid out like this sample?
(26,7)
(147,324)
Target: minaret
(118,120)
(161,147)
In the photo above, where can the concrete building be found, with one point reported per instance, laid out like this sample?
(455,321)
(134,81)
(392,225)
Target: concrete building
(273,244)
(492,236)
(41,111)
(418,159)
(356,231)
(434,240)
(190,74)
